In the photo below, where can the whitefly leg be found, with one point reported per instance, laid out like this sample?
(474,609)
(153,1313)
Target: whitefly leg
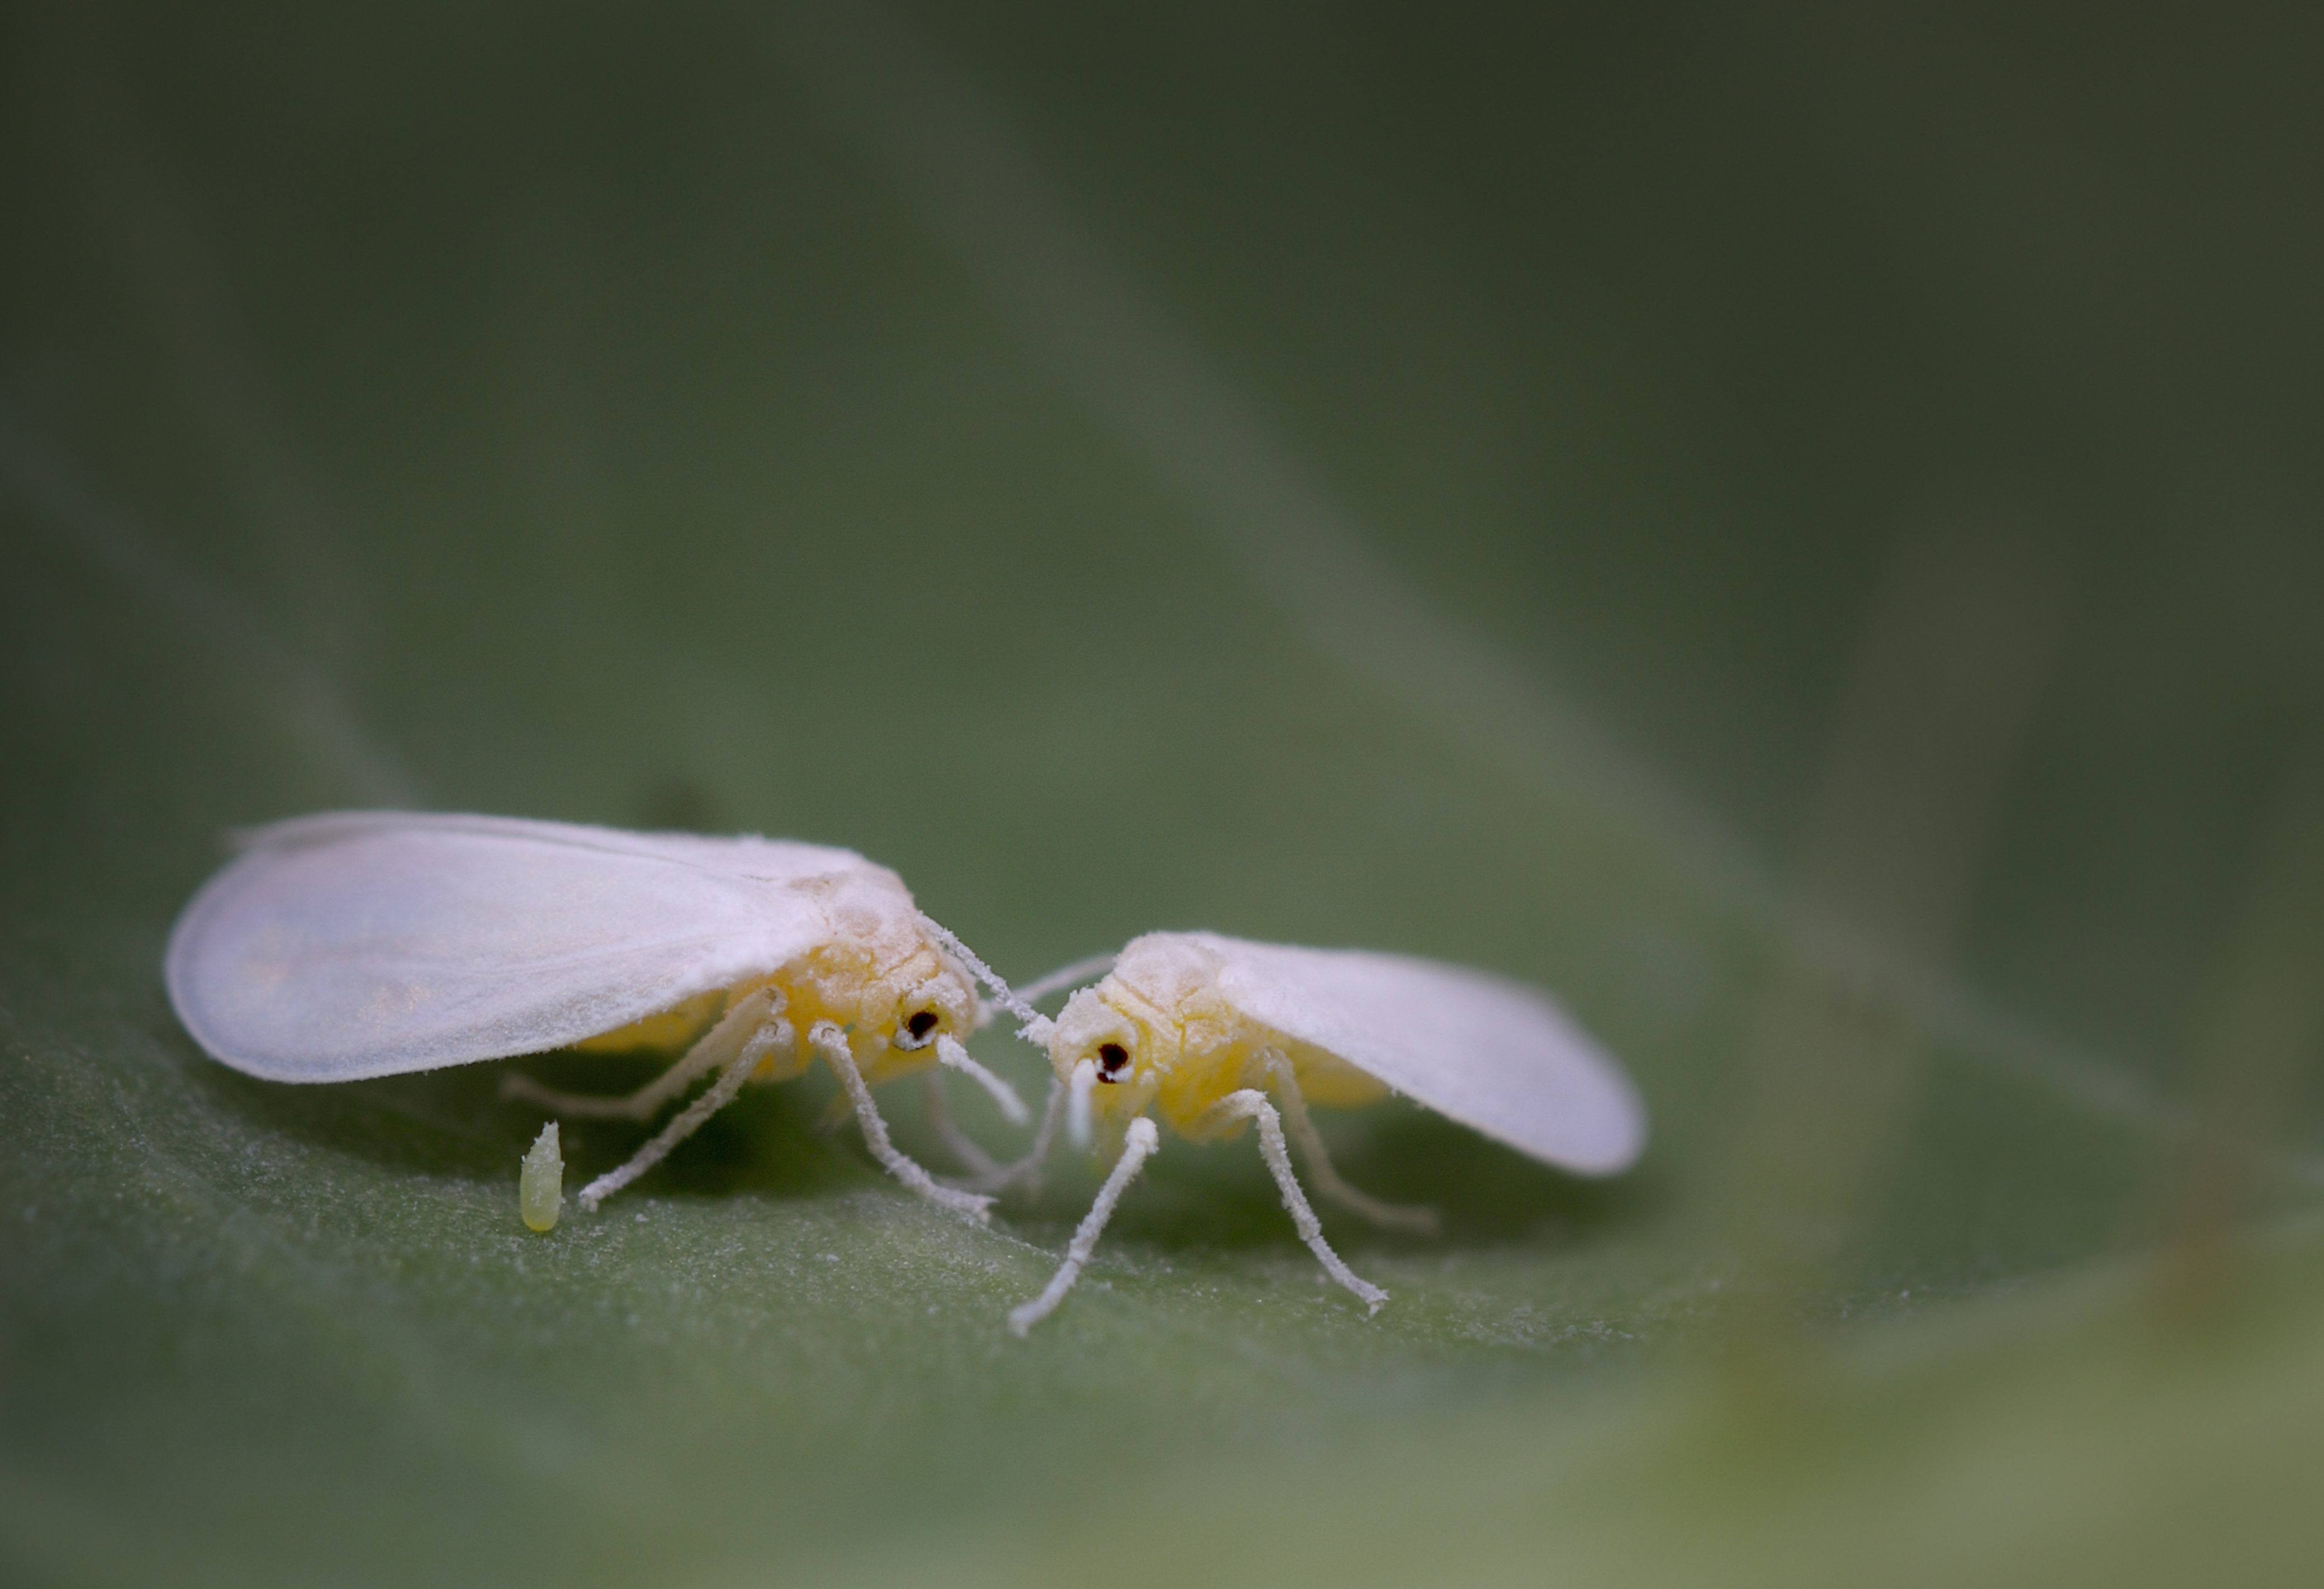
(1249,1104)
(709,1051)
(981,1168)
(1027,1169)
(770,1036)
(1137,1146)
(832,1044)
(951,1056)
(1394,1216)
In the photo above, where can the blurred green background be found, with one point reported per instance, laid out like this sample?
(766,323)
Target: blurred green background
(1798,533)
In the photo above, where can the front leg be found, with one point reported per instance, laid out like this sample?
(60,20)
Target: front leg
(1137,1146)
(832,1043)
(951,1056)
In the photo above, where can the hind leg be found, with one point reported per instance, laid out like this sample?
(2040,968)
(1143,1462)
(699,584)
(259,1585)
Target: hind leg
(1394,1216)
(706,1056)
(769,1036)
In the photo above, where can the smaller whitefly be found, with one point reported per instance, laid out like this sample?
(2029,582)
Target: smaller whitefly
(1214,1035)
(540,1185)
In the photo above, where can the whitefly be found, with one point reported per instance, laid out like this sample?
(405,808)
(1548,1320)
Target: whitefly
(376,943)
(1214,1035)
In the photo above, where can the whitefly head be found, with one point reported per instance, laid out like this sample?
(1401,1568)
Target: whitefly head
(1117,1043)
(882,971)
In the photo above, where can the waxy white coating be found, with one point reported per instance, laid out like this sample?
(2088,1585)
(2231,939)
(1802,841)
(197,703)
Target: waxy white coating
(1496,1056)
(372,943)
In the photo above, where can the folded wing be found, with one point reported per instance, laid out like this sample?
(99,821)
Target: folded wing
(372,943)
(1491,1054)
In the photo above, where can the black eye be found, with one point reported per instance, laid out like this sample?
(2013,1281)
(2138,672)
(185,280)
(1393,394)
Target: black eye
(921,1025)
(1110,1058)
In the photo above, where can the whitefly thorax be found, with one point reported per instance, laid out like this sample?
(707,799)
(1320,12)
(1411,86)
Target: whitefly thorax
(875,976)
(1162,1036)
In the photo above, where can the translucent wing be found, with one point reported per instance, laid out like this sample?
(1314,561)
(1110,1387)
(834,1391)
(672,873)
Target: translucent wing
(371,943)
(1489,1053)
(744,855)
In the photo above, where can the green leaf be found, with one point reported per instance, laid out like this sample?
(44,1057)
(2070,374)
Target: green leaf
(1794,536)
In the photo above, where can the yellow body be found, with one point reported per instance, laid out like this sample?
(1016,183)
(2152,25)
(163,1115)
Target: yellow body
(874,972)
(1185,1047)
(674,1028)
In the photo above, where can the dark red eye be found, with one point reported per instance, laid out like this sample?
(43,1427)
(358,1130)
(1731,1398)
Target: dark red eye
(921,1025)
(1110,1058)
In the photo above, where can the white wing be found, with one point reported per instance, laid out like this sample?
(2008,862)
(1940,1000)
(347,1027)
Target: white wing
(366,943)
(744,855)
(1489,1053)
